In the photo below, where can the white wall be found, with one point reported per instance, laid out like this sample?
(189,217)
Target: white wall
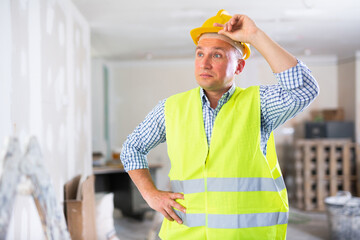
(136,87)
(347,89)
(97,106)
(45,92)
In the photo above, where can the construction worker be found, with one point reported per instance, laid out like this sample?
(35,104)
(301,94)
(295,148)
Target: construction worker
(225,177)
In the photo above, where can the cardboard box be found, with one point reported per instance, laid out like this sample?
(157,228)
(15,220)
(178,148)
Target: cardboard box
(317,115)
(334,114)
(326,115)
(80,214)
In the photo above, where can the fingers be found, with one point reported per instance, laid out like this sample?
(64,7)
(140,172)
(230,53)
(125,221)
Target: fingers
(229,26)
(170,214)
(177,196)
(164,202)
(176,205)
(170,211)
(180,207)
(224,26)
(166,215)
(235,19)
(223,32)
(232,23)
(218,25)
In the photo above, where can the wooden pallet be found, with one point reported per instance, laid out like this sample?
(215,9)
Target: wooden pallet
(322,168)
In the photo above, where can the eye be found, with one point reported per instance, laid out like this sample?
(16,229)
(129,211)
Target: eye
(217,55)
(199,54)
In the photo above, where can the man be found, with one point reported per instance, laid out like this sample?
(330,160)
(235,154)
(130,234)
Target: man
(224,172)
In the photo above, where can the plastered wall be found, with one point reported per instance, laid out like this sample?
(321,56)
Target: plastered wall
(45,92)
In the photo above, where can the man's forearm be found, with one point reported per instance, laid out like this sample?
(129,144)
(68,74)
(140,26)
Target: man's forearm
(277,57)
(143,181)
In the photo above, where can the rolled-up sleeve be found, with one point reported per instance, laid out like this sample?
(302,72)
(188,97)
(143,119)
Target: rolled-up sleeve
(146,136)
(295,90)
(299,82)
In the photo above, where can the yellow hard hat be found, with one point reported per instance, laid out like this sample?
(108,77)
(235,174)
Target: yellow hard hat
(221,17)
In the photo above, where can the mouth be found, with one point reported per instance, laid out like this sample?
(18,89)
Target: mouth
(205,75)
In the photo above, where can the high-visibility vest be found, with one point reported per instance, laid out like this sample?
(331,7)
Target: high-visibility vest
(231,190)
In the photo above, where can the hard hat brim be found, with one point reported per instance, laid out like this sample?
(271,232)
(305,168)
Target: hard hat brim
(196,33)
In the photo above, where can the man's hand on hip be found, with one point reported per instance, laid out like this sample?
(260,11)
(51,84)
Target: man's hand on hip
(164,202)
(161,201)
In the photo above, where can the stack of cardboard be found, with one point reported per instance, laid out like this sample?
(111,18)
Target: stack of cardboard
(337,114)
(80,208)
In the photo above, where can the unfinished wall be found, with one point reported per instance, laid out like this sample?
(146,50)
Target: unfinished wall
(45,92)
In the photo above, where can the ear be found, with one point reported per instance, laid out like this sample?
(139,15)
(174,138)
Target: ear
(240,66)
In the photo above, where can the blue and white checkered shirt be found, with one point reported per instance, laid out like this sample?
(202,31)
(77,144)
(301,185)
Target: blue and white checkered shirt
(295,90)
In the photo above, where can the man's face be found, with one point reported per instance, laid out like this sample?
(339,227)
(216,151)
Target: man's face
(216,64)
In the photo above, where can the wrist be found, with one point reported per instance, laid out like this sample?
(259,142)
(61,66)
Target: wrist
(149,193)
(257,38)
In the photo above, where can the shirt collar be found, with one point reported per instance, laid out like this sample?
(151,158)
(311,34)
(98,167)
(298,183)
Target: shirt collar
(226,96)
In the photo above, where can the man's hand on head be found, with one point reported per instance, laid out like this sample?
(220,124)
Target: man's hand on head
(239,28)
(164,202)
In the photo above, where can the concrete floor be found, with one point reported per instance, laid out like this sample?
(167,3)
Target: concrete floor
(302,226)
(307,226)
(132,229)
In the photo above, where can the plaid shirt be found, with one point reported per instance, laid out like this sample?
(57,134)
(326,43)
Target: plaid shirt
(295,90)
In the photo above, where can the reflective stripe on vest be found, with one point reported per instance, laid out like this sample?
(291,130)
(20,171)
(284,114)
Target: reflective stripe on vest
(227,221)
(228,185)
(188,186)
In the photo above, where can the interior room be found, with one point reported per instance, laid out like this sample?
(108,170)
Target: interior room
(79,76)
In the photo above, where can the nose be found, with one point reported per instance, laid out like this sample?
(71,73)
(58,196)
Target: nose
(206,62)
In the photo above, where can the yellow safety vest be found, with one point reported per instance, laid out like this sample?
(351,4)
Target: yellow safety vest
(231,190)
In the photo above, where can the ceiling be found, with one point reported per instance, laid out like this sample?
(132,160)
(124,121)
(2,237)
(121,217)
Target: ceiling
(159,29)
